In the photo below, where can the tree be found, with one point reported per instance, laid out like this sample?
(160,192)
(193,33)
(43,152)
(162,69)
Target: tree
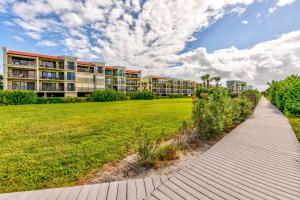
(217,79)
(1,82)
(205,78)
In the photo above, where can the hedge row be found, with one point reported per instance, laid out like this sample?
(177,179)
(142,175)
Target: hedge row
(17,97)
(285,95)
(215,111)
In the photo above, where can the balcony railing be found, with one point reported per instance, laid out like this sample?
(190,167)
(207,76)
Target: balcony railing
(51,78)
(85,70)
(52,89)
(23,87)
(25,76)
(52,67)
(21,64)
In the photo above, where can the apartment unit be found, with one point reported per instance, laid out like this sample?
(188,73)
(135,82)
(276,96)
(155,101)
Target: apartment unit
(133,80)
(163,86)
(236,86)
(62,75)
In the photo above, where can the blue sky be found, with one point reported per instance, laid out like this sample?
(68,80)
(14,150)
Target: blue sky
(156,35)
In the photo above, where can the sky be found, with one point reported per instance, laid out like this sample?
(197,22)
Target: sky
(252,40)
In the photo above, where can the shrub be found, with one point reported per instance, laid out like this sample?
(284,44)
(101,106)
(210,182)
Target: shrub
(285,95)
(242,109)
(107,95)
(150,153)
(17,97)
(215,111)
(141,95)
(252,95)
(53,100)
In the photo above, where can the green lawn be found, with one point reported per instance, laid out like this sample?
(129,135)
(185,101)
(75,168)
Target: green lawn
(295,122)
(57,144)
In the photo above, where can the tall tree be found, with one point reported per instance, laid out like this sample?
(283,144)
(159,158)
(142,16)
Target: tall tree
(203,78)
(217,79)
(207,77)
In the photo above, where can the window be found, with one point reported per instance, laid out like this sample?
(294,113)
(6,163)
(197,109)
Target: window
(23,61)
(23,85)
(61,65)
(100,70)
(48,75)
(61,75)
(70,76)
(71,65)
(49,86)
(71,86)
(48,64)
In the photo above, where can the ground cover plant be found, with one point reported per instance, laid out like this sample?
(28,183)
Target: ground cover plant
(53,145)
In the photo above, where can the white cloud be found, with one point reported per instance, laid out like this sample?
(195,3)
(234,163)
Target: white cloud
(280,3)
(8,23)
(18,38)
(46,43)
(271,60)
(124,32)
(284,2)
(239,10)
(245,22)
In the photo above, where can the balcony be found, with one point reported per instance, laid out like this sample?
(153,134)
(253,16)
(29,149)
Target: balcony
(52,89)
(21,65)
(133,76)
(22,87)
(85,70)
(21,76)
(54,78)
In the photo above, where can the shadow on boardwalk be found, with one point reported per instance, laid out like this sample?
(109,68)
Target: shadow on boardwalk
(260,159)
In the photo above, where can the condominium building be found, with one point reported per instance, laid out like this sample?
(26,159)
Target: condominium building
(163,86)
(63,75)
(236,86)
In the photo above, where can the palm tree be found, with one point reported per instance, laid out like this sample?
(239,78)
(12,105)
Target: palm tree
(203,78)
(217,79)
(207,79)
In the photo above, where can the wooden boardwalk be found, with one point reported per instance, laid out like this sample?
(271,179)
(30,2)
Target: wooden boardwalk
(260,159)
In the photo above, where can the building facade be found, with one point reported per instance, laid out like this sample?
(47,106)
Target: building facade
(164,86)
(63,75)
(236,86)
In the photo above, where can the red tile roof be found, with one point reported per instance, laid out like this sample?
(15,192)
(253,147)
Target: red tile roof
(34,55)
(130,71)
(110,67)
(85,63)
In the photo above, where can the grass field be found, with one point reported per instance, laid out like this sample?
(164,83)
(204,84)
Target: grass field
(56,144)
(295,122)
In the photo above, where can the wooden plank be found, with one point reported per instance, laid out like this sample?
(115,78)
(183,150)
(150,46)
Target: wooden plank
(131,190)
(112,191)
(156,181)
(93,192)
(103,191)
(148,185)
(157,194)
(181,192)
(74,193)
(170,193)
(122,190)
(140,189)
(64,194)
(54,194)
(84,192)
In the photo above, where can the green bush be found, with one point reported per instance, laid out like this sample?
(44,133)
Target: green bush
(141,95)
(252,95)
(215,111)
(17,97)
(53,100)
(173,96)
(285,95)
(107,95)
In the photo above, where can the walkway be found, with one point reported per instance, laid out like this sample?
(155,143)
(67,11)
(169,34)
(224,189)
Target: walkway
(260,159)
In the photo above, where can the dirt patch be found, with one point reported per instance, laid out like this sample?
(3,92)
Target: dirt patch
(129,168)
